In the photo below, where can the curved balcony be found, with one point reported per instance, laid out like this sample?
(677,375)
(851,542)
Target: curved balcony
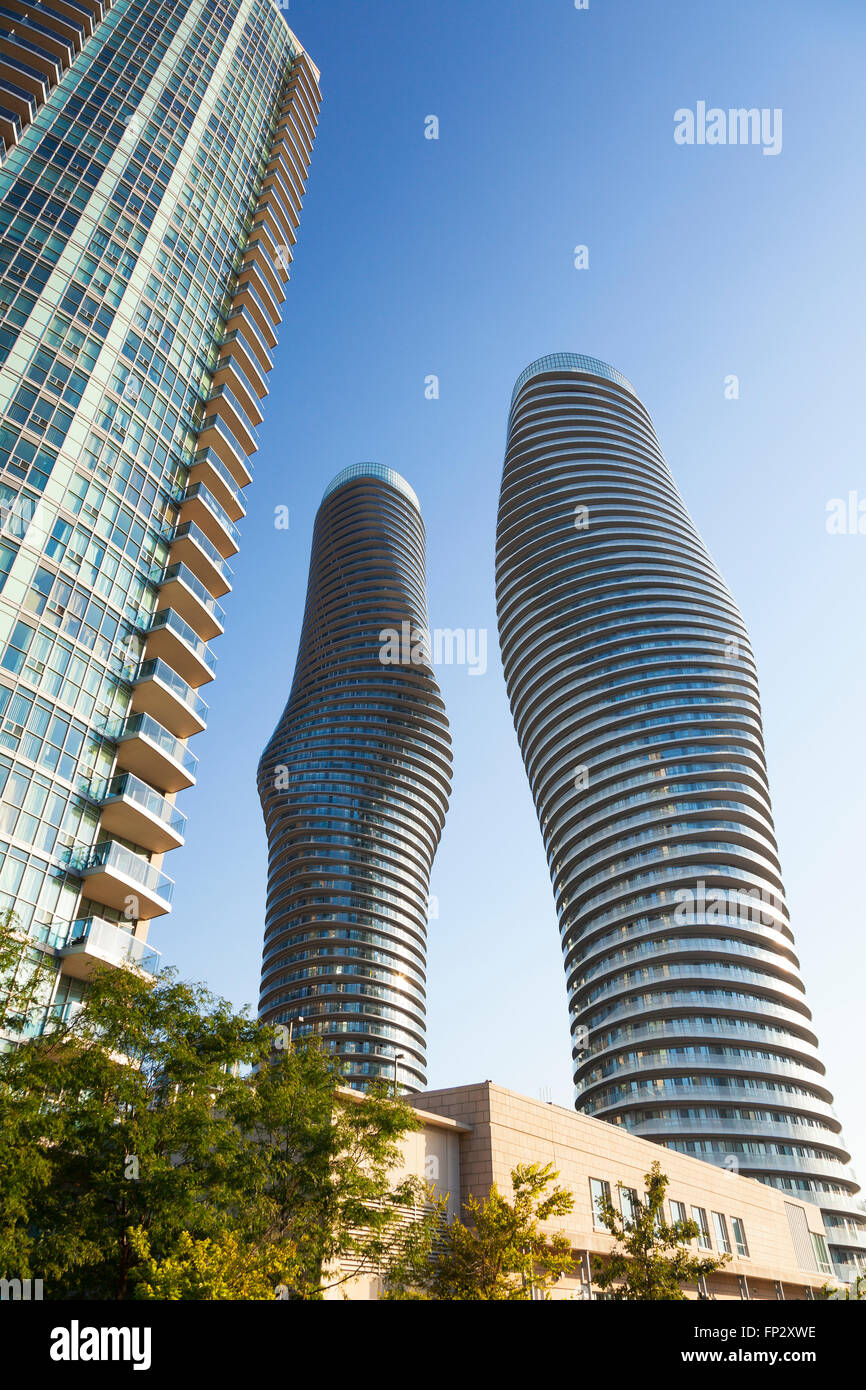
(223,402)
(191,547)
(273,198)
(229,371)
(176,643)
(157,690)
(256,299)
(180,590)
(209,469)
(240,321)
(132,810)
(16,102)
(89,942)
(125,881)
(234,347)
(152,753)
(216,434)
(200,505)
(15,70)
(257,253)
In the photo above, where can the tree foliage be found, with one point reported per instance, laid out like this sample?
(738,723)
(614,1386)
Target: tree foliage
(157,1140)
(499,1253)
(651,1259)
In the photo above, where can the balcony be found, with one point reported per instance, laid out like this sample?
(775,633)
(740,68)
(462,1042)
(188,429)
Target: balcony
(16,101)
(59,19)
(265,230)
(180,590)
(235,346)
(230,372)
(29,58)
(216,434)
(152,753)
(200,506)
(255,295)
(90,942)
(41,40)
(15,69)
(160,692)
(175,642)
(192,548)
(241,322)
(10,125)
(273,201)
(114,875)
(223,402)
(256,253)
(209,469)
(132,810)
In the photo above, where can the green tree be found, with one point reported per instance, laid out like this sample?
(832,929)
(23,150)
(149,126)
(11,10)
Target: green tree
(142,1131)
(855,1291)
(323,1166)
(500,1253)
(225,1267)
(25,986)
(26,978)
(651,1259)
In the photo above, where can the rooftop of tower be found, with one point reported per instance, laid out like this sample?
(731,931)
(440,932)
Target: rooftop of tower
(372,470)
(571,362)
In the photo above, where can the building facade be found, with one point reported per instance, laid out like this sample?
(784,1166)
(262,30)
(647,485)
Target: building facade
(474,1136)
(635,699)
(354,786)
(149,201)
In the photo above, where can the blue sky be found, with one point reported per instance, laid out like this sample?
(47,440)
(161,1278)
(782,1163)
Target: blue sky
(456,258)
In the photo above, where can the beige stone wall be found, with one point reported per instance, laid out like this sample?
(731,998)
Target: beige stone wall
(507,1129)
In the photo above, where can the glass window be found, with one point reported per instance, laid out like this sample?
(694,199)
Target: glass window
(700,1217)
(629,1205)
(740,1237)
(720,1226)
(678,1212)
(599,1191)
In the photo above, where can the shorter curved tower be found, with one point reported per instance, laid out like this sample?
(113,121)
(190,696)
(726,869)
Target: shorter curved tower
(354,787)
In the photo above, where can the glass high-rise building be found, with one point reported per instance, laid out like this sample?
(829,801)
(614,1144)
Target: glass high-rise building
(635,699)
(155,156)
(354,786)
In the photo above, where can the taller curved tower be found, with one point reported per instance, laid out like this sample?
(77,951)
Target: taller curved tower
(354,786)
(635,698)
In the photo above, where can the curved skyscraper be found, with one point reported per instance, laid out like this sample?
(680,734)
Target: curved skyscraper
(635,698)
(354,787)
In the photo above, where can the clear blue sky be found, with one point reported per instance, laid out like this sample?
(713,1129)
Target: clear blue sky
(456,258)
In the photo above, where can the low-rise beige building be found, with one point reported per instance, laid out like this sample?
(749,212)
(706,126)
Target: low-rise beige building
(474,1136)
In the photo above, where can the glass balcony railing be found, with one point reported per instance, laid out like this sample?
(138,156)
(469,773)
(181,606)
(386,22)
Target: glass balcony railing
(225,393)
(271,315)
(126,784)
(184,575)
(189,530)
(157,669)
(107,941)
(215,462)
(145,726)
(242,313)
(113,856)
(168,620)
(198,492)
(216,422)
